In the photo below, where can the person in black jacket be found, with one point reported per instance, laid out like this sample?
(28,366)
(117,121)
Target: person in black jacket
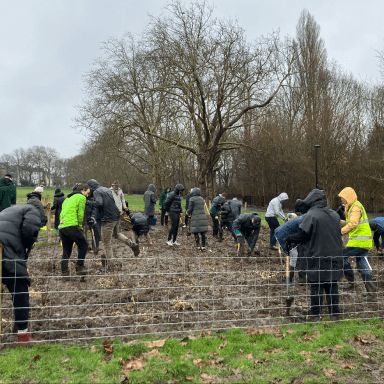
(140,227)
(58,200)
(19,228)
(173,207)
(110,219)
(227,219)
(247,227)
(322,258)
(199,221)
(186,208)
(149,203)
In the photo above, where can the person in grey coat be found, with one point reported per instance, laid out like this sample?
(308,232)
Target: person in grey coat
(149,203)
(199,221)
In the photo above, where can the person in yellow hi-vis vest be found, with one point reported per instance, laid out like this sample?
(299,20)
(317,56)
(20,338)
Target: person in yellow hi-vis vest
(360,239)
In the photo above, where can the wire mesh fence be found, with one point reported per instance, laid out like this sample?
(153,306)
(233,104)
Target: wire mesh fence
(172,290)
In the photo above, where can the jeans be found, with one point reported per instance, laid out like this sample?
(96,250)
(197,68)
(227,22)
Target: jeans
(70,235)
(18,288)
(361,261)
(175,225)
(332,295)
(164,217)
(273,223)
(215,225)
(203,238)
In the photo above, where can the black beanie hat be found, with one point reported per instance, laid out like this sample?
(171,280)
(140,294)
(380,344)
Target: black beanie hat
(57,190)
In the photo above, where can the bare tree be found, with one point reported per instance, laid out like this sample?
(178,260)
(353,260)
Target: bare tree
(191,85)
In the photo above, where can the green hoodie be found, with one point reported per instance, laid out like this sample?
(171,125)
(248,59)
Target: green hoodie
(163,196)
(72,213)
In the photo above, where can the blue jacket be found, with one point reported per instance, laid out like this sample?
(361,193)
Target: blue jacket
(380,223)
(290,227)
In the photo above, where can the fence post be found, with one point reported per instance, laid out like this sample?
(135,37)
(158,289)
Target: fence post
(48,214)
(1,282)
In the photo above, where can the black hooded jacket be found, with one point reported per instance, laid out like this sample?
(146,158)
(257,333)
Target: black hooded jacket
(139,223)
(321,244)
(104,202)
(226,212)
(199,221)
(19,228)
(34,198)
(58,200)
(173,201)
(247,228)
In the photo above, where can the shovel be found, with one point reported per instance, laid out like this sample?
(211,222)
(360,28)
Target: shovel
(94,241)
(289,300)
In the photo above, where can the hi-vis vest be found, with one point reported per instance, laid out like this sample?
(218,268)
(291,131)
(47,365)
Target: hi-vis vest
(361,236)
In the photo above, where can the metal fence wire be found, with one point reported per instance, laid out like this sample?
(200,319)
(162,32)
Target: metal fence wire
(172,290)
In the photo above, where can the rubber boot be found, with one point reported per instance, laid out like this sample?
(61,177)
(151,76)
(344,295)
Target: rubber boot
(351,285)
(104,264)
(135,248)
(65,274)
(81,270)
(371,290)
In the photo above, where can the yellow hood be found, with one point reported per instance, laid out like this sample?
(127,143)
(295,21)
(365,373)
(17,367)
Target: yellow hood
(349,195)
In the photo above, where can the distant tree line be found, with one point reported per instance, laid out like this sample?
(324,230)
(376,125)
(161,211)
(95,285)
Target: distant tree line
(35,165)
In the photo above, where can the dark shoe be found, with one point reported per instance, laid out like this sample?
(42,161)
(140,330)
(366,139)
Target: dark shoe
(302,281)
(25,338)
(136,249)
(257,253)
(370,287)
(220,240)
(65,275)
(81,270)
(215,236)
(351,285)
(335,317)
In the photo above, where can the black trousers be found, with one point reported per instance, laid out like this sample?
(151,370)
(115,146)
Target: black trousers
(18,288)
(197,238)
(164,217)
(227,224)
(70,235)
(273,223)
(215,225)
(186,219)
(174,216)
(332,294)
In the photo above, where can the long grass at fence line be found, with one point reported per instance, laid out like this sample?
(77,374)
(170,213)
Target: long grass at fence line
(317,353)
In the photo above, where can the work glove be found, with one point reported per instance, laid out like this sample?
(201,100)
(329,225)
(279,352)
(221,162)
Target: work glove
(287,242)
(91,222)
(216,217)
(240,238)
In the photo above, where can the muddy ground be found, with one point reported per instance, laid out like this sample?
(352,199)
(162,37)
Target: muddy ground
(171,290)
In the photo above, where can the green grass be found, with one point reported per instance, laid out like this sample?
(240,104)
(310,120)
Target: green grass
(22,193)
(177,360)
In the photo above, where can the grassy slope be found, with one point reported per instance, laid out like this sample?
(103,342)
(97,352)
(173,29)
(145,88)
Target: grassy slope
(288,356)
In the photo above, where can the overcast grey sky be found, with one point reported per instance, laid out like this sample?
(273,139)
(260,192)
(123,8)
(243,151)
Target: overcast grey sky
(47,45)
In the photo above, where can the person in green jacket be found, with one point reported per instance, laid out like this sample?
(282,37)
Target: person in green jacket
(7,192)
(70,229)
(163,197)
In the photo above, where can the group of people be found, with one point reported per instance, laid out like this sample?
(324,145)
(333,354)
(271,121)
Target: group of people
(315,233)
(314,240)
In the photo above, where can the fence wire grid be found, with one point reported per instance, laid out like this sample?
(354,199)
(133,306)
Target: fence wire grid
(172,290)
